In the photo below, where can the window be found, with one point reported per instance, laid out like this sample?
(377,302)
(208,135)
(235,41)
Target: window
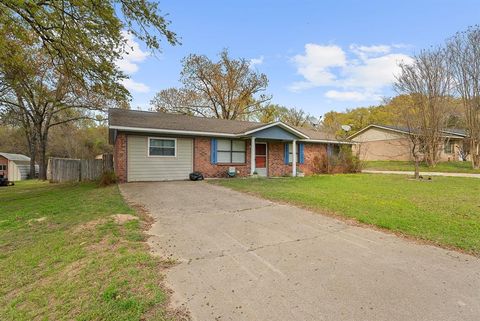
(231,151)
(290,154)
(448,147)
(3,167)
(333,150)
(162,147)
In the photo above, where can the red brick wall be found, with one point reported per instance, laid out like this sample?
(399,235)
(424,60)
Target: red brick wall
(276,162)
(4,161)
(120,157)
(201,160)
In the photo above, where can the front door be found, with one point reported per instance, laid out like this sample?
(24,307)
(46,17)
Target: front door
(261,159)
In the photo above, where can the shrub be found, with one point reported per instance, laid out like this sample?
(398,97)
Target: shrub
(107,178)
(343,161)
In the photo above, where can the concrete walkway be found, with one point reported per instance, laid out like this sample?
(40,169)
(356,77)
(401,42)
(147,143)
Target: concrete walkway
(422,173)
(245,258)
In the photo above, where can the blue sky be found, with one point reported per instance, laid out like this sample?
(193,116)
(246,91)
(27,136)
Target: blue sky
(318,55)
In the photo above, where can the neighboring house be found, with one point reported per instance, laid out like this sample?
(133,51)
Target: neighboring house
(154,146)
(15,167)
(381,142)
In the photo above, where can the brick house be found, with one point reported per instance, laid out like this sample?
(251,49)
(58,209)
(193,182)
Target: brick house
(154,146)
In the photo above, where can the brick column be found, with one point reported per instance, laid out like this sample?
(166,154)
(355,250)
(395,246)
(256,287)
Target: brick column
(120,157)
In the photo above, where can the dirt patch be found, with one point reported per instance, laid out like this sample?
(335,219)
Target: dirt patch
(87,226)
(124,218)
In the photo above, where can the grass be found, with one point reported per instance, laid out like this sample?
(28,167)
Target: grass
(63,257)
(444,167)
(445,211)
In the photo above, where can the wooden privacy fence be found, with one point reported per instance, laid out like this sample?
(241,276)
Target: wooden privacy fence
(77,170)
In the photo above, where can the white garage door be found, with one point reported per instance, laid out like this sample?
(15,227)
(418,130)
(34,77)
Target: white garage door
(159,158)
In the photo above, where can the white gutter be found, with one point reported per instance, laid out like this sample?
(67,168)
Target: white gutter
(328,141)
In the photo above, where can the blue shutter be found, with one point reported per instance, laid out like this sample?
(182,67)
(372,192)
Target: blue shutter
(300,153)
(213,151)
(285,156)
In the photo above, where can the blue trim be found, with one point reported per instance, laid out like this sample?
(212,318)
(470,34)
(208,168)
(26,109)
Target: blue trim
(285,155)
(300,153)
(213,151)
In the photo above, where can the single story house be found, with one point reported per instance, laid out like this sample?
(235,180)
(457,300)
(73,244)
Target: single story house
(381,142)
(15,167)
(154,146)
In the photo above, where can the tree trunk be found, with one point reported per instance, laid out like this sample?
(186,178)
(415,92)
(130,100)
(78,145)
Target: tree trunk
(417,162)
(42,174)
(475,152)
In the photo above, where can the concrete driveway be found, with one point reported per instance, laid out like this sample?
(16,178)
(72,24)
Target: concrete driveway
(244,258)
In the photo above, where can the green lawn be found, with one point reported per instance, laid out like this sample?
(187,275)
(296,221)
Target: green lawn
(446,167)
(62,256)
(445,210)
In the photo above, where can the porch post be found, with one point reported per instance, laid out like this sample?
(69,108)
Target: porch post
(294,158)
(252,156)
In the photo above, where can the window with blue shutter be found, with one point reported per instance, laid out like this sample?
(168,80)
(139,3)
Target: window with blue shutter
(285,156)
(213,151)
(300,153)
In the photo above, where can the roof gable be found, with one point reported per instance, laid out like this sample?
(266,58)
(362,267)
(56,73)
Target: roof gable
(404,130)
(15,157)
(275,132)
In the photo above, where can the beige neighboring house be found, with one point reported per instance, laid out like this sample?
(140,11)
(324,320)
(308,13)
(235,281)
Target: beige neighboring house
(15,167)
(383,143)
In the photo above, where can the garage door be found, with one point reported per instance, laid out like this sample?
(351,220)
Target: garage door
(159,158)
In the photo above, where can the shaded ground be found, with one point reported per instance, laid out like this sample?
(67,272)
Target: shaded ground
(76,252)
(245,258)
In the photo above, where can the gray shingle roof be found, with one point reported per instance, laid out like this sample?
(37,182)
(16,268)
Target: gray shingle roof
(15,157)
(447,132)
(159,120)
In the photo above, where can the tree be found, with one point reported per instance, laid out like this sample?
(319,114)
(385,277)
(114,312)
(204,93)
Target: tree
(85,36)
(427,81)
(292,116)
(41,95)
(57,60)
(463,51)
(358,118)
(298,117)
(178,100)
(227,89)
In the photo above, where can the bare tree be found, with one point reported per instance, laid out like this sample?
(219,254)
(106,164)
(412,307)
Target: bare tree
(227,89)
(428,83)
(464,56)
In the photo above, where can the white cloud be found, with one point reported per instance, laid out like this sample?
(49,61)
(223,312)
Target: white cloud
(350,95)
(360,75)
(129,62)
(315,65)
(134,86)
(256,61)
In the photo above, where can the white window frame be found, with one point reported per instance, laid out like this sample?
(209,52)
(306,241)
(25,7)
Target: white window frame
(452,147)
(290,153)
(231,151)
(163,156)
